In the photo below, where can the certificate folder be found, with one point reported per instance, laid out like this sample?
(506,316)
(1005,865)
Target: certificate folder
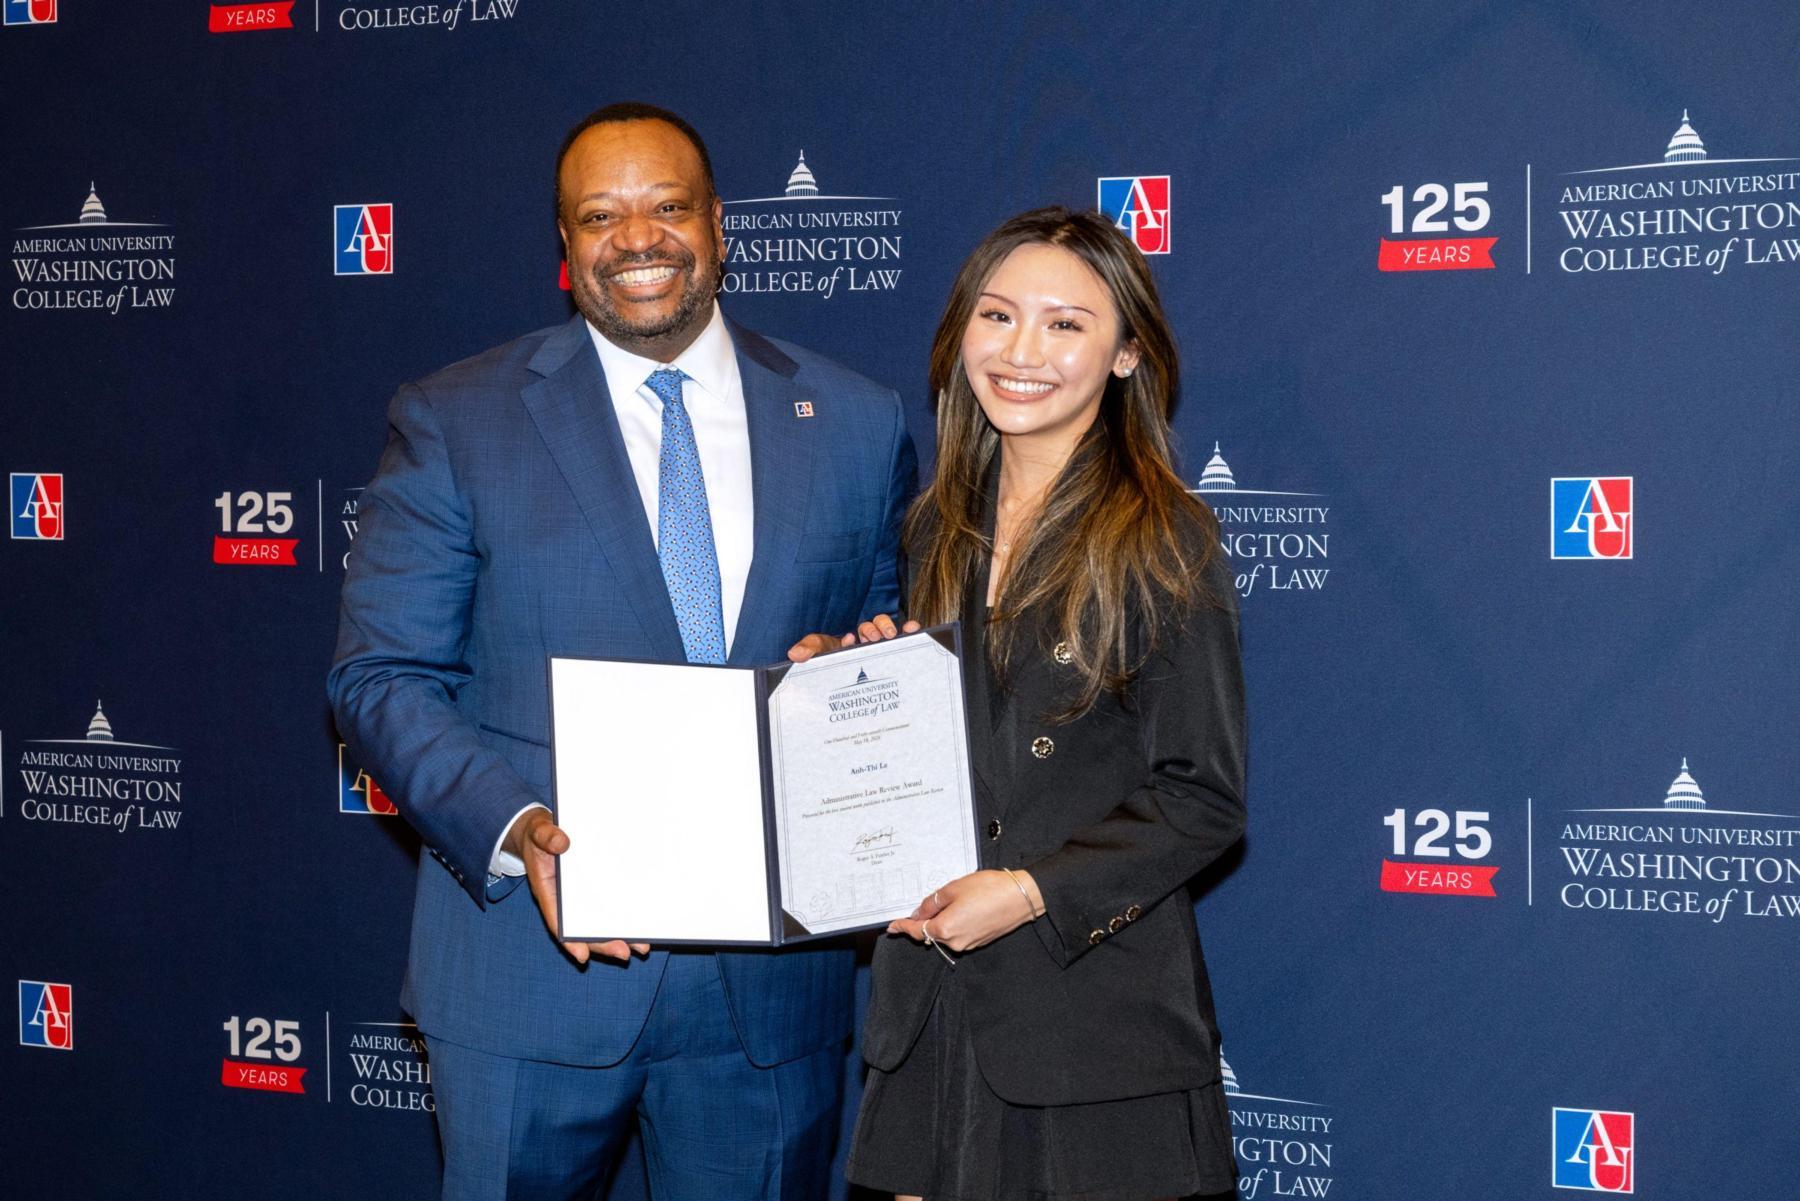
(760,806)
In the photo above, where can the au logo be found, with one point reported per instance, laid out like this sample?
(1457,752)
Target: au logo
(46,1015)
(37,506)
(364,242)
(1139,205)
(1593,1150)
(30,12)
(1591,517)
(357,790)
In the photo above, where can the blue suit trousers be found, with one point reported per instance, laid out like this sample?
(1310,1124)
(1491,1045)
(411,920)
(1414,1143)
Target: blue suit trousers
(714,1125)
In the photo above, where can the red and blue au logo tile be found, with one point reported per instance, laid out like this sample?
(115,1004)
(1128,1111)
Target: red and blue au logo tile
(30,12)
(357,790)
(46,1015)
(1139,205)
(364,242)
(1590,517)
(37,506)
(1594,1149)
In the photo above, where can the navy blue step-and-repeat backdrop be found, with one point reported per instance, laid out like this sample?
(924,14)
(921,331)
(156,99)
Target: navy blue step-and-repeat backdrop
(1488,315)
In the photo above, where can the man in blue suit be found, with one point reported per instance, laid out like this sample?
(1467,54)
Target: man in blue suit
(649,481)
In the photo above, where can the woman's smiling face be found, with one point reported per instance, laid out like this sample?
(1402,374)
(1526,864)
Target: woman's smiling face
(1038,348)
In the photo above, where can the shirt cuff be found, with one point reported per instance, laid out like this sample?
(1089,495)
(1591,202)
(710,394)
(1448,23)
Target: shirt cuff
(503,862)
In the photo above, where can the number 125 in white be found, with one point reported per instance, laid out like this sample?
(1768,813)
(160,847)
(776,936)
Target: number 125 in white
(1472,838)
(1436,198)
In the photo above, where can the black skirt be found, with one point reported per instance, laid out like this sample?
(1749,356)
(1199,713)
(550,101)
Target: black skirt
(933,1127)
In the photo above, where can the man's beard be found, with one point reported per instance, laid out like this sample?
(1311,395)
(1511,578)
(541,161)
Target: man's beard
(596,304)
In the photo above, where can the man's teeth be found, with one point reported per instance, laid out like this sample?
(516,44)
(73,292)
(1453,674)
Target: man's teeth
(644,275)
(1023,387)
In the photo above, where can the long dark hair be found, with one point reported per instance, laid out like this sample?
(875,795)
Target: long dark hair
(1116,534)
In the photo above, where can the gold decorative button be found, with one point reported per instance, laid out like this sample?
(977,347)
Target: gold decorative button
(1043,747)
(1116,925)
(1062,654)
(1132,913)
(1095,937)
(993,828)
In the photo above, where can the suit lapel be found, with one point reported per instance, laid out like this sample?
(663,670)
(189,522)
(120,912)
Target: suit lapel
(572,409)
(781,469)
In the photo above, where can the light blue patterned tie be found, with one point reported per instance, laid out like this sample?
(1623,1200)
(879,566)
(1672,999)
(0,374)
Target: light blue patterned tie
(684,535)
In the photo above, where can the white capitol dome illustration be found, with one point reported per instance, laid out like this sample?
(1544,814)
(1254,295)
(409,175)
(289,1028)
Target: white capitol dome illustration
(1217,477)
(1684,793)
(1685,146)
(1227,1076)
(99,730)
(92,211)
(801,182)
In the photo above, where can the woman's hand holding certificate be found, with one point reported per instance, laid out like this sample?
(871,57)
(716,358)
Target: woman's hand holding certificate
(874,630)
(970,911)
(974,910)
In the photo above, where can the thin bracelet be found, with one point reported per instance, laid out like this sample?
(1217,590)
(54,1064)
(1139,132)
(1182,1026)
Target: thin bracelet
(1029,907)
(934,944)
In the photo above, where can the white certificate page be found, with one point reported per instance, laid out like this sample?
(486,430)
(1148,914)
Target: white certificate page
(659,788)
(870,764)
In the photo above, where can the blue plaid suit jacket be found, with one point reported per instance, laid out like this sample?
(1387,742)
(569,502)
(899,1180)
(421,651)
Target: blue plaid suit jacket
(503,526)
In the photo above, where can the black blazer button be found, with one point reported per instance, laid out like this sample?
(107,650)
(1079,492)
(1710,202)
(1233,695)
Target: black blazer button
(993,828)
(1132,913)
(1043,747)
(1116,925)
(1062,654)
(1095,937)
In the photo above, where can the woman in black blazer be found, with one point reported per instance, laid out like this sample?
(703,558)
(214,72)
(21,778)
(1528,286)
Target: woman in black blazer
(1043,1028)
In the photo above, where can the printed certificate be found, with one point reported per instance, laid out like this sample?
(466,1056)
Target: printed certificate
(870,772)
(719,805)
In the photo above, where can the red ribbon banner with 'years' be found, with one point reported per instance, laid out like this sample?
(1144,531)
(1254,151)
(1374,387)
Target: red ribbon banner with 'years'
(1438,879)
(1438,254)
(261,1076)
(243,18)
(255,552)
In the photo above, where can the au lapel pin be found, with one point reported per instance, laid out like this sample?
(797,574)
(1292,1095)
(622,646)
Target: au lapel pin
(803,408)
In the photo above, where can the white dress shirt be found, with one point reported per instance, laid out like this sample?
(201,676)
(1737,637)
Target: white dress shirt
(714,396)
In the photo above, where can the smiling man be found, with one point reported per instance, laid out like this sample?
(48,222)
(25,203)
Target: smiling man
(649,481)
